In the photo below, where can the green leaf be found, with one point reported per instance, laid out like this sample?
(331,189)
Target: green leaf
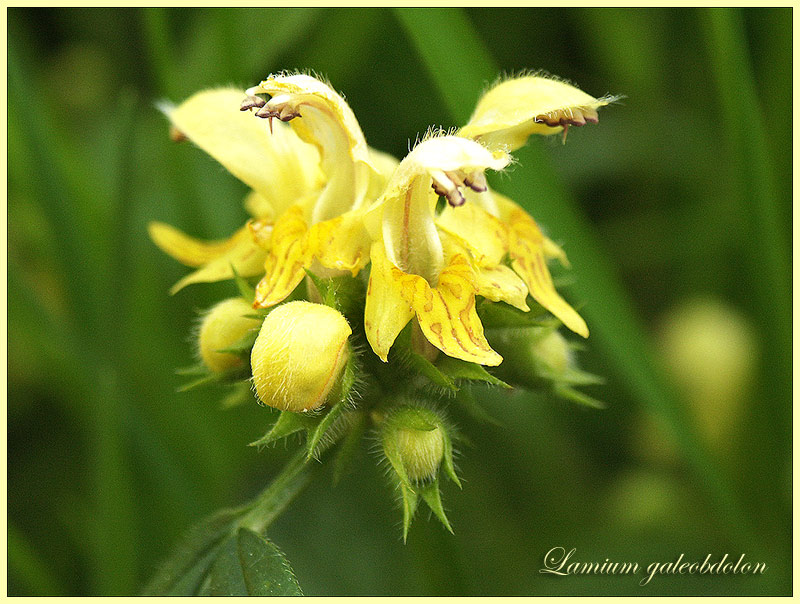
(288,423)
(495,315)
(464,370)
(183,573)
(249,565)
(430,493)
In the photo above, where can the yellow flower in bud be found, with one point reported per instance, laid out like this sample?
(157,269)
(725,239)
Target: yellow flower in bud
(517,107)
(414,439)
(222,327)
(299,355)
(553,351)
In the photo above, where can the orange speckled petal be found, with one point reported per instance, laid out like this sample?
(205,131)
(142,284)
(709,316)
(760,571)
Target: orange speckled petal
(341,243)
(288,257)
(526,248)
(386,312)
(446,313)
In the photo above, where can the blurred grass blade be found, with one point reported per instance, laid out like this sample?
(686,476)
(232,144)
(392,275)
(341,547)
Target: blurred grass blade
(456,58)
(26,566)
(744,123)
(615,326)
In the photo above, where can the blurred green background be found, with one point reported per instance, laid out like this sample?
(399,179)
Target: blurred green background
(675,212)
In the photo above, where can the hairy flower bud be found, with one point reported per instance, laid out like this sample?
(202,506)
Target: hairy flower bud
(299,355)
(414,439)
(223,326)
(531,355)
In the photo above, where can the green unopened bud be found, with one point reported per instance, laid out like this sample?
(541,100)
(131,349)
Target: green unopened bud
(530,355)
(299,355)
(222,327)
(414,442)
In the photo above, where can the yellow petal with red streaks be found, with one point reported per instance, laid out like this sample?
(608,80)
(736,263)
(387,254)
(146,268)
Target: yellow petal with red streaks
(526,248)
(501,284)
(386,312)
(446,313)
(288,257)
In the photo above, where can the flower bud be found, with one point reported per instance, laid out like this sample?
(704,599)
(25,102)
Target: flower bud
(299,355)
(530,355)
(552,351)
(223,326)
(414,439)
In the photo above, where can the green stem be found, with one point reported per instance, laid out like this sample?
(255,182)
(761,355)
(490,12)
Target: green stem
(273,500)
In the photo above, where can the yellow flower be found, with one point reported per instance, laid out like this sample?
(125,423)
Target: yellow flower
(316,173)
(325,201)
(515,108)
(414,272)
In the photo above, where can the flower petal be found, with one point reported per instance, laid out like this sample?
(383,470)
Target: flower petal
(446,313)
(214,258)
(446,164)
(386,312)
(341,243)
(321,117)
(516,108)
(477,230)
(188,250)
(279,166)
(288,257)
(526,248)
(501,284)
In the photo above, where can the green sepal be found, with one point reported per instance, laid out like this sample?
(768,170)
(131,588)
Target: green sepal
(410,500)
(499,314)
(240,394)
(464,370)
(288,423)
(223,377)
(248,565)
(466,399)
(430,493)
(447,460)
(315,444)
(567,392)
(247,291)
(341,394)
(343,293)
(419,364)
(197,369)
(347,449)
(578,377)
(396,461)
(243,345)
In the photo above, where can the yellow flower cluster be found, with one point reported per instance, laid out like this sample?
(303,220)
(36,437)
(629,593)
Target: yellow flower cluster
(323,200)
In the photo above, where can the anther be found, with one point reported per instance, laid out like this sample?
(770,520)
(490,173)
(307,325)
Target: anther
(176,135)
(252,102)
(476,181)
